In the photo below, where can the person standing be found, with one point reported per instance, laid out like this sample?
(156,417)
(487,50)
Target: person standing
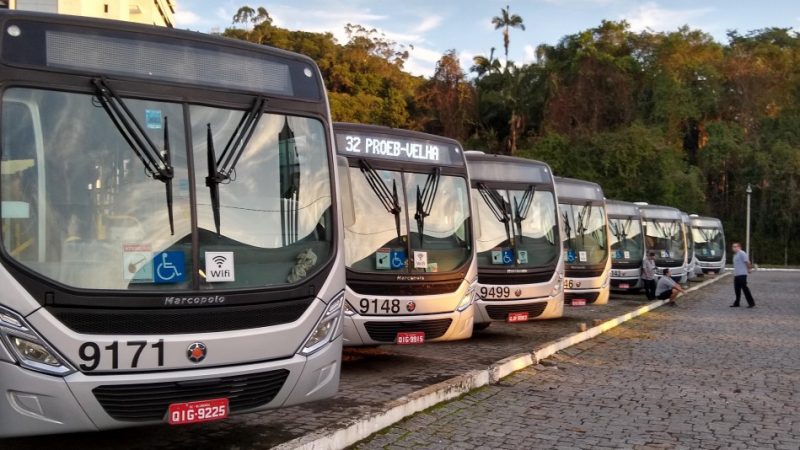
(649,276)
(741,267)
(668,289)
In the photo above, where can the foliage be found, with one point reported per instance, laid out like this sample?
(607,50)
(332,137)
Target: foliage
(672,118)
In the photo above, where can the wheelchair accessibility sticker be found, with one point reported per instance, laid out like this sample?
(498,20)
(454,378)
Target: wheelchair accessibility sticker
(169,267)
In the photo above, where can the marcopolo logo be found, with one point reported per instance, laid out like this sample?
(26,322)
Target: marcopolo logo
(194,301)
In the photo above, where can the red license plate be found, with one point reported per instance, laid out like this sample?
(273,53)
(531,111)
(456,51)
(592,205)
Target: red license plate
(518,317)
(624,286)
(411,338)
(197,412)
(578,302)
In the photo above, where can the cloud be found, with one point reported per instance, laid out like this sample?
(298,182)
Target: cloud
(185,18)
(651,16)
(428,24)
(529,55)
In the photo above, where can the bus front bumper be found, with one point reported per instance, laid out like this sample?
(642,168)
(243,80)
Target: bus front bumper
(383,329)
(32,403)
(550,307)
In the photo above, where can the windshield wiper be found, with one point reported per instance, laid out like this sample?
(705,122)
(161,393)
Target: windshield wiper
(388,198)
(497,205)
(223,170)
(425,198)
(522,209)
(157,165)
(581,228)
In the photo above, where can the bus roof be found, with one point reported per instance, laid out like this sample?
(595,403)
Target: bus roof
(660,212)
(705,222)
(618,208)
(395,144)
(578,189)
(101,47)
(500,168)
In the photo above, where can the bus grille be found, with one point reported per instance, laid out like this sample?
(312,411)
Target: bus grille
(500,312)
(387,331)
(590,297)
(148,402)
(400,288)
(515,278)
(180,320)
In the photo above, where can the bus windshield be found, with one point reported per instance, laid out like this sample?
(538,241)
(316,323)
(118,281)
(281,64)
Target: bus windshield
(627,243)
(80,207)
(407,222)
(532,239)
(664,237)
(585,229)
(709,243)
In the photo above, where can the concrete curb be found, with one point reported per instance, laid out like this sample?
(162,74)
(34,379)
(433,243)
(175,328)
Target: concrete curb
(344,434)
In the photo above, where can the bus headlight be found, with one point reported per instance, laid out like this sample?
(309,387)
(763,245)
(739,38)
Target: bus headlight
(605,281)
(467,300)
(328,328)
(30,350)
(348,310)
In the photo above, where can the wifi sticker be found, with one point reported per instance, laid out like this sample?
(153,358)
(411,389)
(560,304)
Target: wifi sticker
(219,267)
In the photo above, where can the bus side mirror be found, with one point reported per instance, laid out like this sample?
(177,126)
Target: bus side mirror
(346,192)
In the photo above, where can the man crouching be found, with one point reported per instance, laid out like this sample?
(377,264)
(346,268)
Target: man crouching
(668,289)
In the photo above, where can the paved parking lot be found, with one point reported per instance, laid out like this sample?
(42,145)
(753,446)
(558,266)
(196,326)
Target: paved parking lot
(370,378)
(702,375)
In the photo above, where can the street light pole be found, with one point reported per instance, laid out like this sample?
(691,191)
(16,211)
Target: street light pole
(747,233)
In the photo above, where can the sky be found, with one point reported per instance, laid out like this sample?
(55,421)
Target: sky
(435,26)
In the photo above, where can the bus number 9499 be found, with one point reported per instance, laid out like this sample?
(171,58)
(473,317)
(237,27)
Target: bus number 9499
(495,291)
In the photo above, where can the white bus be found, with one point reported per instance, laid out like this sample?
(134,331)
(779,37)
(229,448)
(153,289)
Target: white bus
(169,227)
(518,240)
(709,241)
(691,258)
(587,265)
(627,245)
(664,235)
(409,250)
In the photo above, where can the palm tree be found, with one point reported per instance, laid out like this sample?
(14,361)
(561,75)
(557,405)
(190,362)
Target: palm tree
(482,65)
(506,21)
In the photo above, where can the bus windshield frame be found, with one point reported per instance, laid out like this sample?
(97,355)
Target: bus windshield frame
(290,137)
(702,235)
(627,240)
(408,215)
(585,232)
(665,237)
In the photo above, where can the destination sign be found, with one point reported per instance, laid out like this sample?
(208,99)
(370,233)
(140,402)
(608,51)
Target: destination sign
(584,191)
(523,172)
(398,148)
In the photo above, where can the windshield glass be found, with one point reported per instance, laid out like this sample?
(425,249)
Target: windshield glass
(585,233)
(375,243)
(709,243)
(534,230)
(79,208)
(627,243)
(664,237)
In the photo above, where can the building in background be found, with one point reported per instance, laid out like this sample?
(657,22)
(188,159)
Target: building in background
(154,12)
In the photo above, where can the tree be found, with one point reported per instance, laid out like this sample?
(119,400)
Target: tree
(244,16)
(482,65)
(506,21)
(448,99)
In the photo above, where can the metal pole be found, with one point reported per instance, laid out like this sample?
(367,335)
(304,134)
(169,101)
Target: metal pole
(747,233)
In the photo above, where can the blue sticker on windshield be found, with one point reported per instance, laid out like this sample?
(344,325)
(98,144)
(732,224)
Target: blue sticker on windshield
(169,267)
(571,256)
(618,254)
(152,119)
(398,259)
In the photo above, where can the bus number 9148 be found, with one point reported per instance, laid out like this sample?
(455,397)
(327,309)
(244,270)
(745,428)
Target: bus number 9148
(379,306)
